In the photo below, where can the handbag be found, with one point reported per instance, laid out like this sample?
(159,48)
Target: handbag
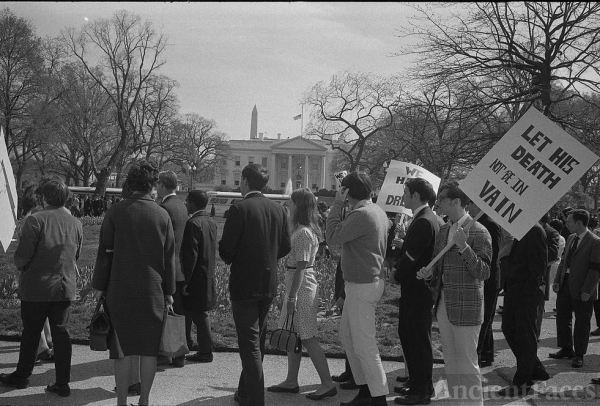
(285,339)
(99,327)
(172,340)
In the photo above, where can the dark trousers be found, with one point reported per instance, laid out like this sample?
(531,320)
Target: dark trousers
(566,336)
(597,309)
(203,333)
(520,330)
(485,345)
(414,330)
(250,317)
(33,315)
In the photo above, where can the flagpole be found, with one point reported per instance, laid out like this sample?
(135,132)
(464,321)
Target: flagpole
(302,121)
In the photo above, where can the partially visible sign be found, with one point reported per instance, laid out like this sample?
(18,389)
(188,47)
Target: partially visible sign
(8,197)
(339,176)
(527,172)
(392,190)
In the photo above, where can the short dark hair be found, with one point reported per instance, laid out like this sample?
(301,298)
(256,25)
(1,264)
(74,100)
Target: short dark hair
(55,193)
(142,176)
(359,185)
(168,179)
(556,224)
(256,175)
(454,192)
(422,187)
(580,215)
(198,197)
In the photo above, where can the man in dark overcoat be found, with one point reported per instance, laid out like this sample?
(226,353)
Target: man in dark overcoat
(198,256)
(166,187)
(255,236)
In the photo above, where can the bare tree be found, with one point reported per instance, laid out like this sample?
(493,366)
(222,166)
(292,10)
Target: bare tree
(554,45)
(21,63)
(350,110)
(130,52)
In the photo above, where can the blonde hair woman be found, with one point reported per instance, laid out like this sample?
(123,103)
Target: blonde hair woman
(302,299)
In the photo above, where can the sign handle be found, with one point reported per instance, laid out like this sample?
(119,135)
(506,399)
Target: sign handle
(448,246)
(10,196)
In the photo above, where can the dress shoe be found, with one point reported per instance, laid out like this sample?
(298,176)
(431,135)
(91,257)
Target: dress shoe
(513,391)
(366,401)
(200,357)
(14,380)
(62,389)
(46,355)
(329,393)
(596,381)
(134,389)
(402,379)
(162,361)
(562,353)
(577,362)
(402,390)
(595,332)
(179,362)
(283,389)
(343,377)
(413,400)
(349,385)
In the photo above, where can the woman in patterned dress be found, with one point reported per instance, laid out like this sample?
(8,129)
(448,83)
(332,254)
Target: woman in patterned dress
(302,299)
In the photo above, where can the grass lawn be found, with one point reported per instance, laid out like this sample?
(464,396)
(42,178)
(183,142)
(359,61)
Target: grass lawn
(224,333)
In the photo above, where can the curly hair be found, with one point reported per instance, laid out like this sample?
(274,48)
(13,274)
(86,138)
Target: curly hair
(142,176)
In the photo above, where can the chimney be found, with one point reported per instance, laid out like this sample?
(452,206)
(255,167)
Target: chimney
(278,136)
(260,136)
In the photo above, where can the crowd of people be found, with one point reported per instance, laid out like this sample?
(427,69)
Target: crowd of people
(156,253)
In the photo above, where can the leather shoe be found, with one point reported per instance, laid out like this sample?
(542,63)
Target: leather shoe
(330,392)
(413,400)
(596,381)
(513,391)
(200,357)
(366,401)
(595,332)
(577,362)
(343,377)
(62,389)
(540,375)
(403,390)
(178,362)
(562,353)
(14,381)
(349,385)
(282,389)
(402,379)
(134,389)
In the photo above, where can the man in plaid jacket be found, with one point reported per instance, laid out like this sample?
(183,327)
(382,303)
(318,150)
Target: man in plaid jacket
(457,281)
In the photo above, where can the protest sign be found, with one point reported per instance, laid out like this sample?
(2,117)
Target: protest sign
(527,172)
(339,177)
(8,197)
(390,195)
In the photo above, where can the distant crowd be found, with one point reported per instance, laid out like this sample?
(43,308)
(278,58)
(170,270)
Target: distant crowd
(451,261)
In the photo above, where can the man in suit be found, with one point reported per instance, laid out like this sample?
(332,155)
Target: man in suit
(46,256)
(485,345)
(524,271)
(166,187)
(414,314)
(576,283)
(552,240)
(457,280)
(198,255)
(255,236)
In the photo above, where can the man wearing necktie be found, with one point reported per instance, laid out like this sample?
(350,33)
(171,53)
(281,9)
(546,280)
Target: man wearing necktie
(576,283)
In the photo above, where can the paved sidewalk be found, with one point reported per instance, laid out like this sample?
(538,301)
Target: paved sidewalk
(214,384)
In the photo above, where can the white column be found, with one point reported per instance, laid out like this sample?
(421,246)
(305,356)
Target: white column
(306,172)
(290,170)
(274,173)
(323,173)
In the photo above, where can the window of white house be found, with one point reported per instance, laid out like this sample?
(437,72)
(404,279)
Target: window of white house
(282,181)
(250,160)
(237,161)
(264,161)
(236,178)
(284,163)
(315,164)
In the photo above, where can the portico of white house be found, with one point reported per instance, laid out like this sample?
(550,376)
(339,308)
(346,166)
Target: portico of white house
(306,162)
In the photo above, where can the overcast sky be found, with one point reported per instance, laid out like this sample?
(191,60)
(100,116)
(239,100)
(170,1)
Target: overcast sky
(227,57)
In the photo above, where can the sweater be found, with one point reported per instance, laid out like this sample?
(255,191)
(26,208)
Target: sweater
(363,237)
